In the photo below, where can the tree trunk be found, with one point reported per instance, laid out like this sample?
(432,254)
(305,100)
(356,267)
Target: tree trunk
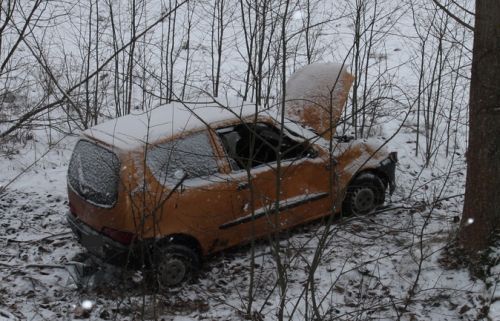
(481,216)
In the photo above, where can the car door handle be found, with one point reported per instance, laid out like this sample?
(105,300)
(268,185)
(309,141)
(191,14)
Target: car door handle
(242,186)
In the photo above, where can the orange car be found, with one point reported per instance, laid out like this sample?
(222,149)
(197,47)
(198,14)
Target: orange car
(182,181)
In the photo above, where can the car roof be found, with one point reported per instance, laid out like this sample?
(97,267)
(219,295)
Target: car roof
(134,130)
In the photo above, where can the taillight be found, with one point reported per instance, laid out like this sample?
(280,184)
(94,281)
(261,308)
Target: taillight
(124,238)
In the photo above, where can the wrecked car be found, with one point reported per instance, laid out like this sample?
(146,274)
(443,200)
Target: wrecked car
(186,180)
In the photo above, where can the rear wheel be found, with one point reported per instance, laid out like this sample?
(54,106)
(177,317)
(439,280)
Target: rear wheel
(175,264)
(364,194)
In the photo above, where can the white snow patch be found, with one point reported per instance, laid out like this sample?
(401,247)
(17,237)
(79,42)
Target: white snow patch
(132,131)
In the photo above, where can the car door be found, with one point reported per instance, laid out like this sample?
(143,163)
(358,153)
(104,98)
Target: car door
(192,199)
(269,196)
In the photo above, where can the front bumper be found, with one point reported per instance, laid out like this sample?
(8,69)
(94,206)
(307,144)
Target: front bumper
(388,168)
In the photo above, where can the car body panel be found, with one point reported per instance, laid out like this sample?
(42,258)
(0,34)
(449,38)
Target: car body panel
(216,211)
(316,95)
(232,205)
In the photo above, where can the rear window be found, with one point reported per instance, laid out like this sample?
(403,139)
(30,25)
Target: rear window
(191,156)
(93,173)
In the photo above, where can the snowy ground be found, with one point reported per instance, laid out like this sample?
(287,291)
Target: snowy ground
(387,266)
(494,284)
(368,269)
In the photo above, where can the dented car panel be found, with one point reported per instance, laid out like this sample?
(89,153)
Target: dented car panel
(363,155)
(213,178)
(227,208)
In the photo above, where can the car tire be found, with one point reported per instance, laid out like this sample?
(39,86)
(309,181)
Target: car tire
(175,264)
(364,194)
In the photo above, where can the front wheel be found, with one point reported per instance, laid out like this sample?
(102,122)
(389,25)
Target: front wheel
(364,194)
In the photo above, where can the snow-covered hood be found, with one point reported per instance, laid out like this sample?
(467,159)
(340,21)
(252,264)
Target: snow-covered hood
(316,95)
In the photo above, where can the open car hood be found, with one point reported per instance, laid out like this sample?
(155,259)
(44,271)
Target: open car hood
(316,95)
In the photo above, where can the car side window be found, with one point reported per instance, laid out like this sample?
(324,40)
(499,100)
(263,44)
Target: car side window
(187,157)
(255,144)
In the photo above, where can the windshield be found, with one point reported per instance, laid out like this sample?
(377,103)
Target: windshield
(299,130)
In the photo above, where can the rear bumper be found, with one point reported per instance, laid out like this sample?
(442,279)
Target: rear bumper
(100,245)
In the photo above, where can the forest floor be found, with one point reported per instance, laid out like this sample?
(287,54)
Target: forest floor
(393,264)
(396,264)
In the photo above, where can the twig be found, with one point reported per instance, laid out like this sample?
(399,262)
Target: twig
(453,16)
(34,265)
(33,240)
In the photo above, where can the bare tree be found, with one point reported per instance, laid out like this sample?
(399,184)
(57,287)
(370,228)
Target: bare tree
(219,25)
(259,24)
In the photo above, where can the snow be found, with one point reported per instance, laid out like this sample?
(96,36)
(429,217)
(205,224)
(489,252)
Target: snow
(368,262)
(494,312)
(363,268)
(94,172)
(494,283)
(313,84)
(312,91)
(133,131)
(371,150)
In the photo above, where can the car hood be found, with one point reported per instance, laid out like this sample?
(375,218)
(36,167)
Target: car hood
(316,95)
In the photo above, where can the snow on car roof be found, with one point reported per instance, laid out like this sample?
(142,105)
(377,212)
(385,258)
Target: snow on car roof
(133,130)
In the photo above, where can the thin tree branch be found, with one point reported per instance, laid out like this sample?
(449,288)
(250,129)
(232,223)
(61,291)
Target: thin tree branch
(463,8)
(453,16)
(36,111)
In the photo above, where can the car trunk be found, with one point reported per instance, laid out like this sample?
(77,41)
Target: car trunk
(93,174)
(94,190)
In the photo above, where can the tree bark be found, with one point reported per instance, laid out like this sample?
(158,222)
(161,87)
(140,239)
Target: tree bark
(481,215)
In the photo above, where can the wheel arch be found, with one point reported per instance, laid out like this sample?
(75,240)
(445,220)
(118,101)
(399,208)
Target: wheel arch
(183,239)
(374,171)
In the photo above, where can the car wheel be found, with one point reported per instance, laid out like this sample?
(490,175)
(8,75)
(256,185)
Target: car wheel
(175,264)
(363,195)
